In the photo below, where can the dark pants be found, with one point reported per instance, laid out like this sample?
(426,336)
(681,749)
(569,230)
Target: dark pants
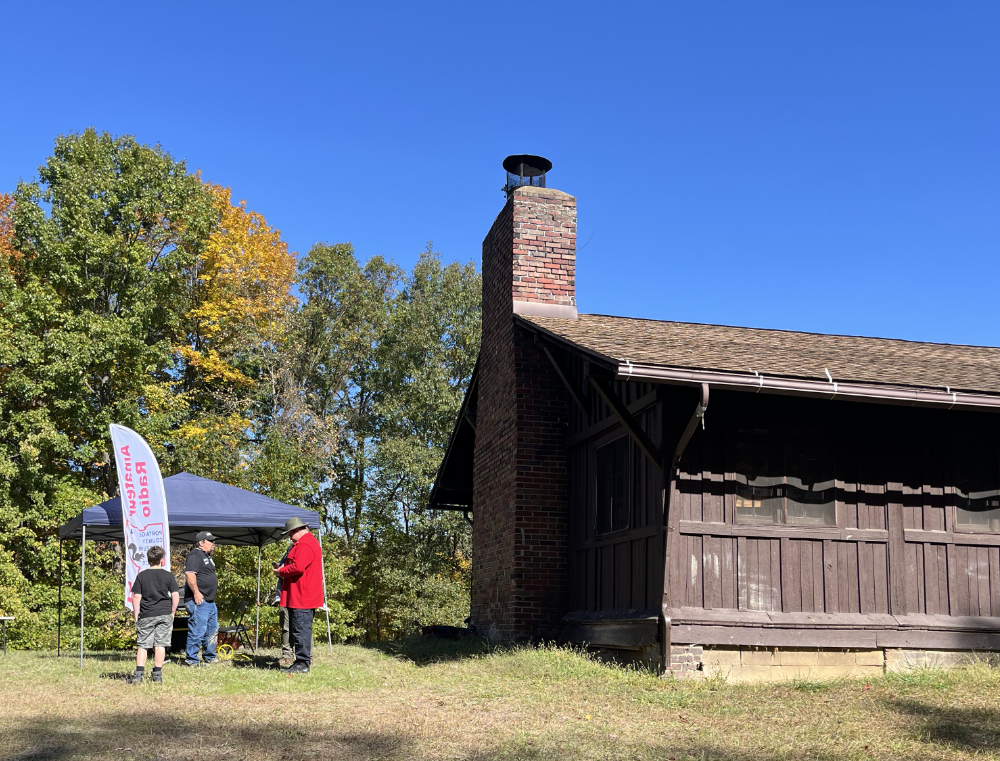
(301,625)
(286,634)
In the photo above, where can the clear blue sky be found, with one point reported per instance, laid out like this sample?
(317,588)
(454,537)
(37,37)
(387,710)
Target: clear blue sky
(829,166)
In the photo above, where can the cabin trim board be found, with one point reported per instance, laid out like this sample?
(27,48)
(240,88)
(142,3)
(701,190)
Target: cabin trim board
(770,531)
(698,634)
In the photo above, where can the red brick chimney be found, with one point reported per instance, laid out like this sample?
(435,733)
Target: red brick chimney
(520,487)
(544,252)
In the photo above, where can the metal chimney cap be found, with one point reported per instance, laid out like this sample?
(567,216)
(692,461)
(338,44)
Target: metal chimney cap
(525,165)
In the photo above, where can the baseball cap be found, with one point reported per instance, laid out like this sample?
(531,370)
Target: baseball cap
(203,535)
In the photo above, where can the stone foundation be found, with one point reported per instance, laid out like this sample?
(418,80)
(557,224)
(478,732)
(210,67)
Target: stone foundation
(901,661)
(785,664)
(780,664)
(774,664)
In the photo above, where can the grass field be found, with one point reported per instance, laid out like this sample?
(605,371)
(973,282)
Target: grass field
(436,700)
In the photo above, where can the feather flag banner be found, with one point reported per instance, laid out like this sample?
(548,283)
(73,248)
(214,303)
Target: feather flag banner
(144,503)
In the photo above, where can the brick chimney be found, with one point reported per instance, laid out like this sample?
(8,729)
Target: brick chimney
(520,486)
(544,252)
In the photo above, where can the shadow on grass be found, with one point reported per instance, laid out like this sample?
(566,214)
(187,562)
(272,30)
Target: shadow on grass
(147,734)
(658,752)
(255,661)
(116,675)
(153,735)
(971,729)
(424,652)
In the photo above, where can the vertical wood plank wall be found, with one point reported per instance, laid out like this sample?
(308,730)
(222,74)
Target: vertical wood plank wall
(894,480)
(623,570)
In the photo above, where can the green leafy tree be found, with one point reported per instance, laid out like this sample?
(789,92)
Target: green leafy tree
(393,353)
(90,308)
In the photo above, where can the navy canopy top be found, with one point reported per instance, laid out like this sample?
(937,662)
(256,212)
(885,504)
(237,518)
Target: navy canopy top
(235,516)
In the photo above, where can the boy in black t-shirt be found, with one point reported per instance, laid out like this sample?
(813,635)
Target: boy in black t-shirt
(154,602)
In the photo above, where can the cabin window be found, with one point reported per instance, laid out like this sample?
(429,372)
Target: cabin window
(758,493)
(612,486)
(977,487)
(783,475)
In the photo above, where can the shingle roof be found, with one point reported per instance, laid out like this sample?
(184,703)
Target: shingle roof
(781,352)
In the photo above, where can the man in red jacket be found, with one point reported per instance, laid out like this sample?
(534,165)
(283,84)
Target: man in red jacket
(301,576)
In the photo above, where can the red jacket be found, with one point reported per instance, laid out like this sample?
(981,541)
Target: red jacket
(302,575)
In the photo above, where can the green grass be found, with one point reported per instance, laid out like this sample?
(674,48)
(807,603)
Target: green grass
(440,700)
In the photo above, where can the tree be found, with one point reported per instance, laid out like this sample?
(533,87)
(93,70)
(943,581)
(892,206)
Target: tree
(241,294)
(392,354)
(345,318)
(92,300)
(7,250)
(132,292)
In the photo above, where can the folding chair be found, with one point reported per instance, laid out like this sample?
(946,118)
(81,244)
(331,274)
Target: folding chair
(235,635)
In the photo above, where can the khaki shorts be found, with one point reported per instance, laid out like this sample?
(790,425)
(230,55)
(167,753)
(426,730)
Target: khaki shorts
(155,631)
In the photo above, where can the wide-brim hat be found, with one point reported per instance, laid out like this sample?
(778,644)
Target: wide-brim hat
(294,523)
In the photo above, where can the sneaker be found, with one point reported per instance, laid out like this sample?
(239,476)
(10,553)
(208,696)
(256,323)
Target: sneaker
(133,679)
(297,668)
(192,664)
(157,677)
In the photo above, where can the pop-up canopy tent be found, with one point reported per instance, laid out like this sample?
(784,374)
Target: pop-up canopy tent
(194,504)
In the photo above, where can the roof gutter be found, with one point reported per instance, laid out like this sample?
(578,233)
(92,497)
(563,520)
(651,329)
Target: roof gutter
(757,383)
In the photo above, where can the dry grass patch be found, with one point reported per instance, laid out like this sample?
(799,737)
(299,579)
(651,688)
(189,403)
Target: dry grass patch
(419,700)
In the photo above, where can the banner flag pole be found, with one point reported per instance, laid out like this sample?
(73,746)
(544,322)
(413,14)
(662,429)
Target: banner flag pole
(83,573)
(59,606)
(256,631)
(326,607)
(144,503)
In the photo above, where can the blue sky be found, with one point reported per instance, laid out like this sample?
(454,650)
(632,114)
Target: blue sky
(830,167)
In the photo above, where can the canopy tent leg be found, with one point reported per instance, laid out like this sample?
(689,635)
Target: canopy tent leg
(83,572)
(59,607)
(326,608)
(256,631)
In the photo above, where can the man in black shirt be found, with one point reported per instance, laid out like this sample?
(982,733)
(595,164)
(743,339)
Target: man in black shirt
(199,599)
(154,602)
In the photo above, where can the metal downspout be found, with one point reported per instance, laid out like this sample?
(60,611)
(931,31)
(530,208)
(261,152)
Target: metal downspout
(672,518)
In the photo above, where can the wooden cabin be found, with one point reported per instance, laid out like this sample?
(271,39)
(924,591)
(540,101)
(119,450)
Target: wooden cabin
(763,503)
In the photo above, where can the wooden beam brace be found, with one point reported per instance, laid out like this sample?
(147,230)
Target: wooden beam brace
(696,417)
(575,393)
(638,435)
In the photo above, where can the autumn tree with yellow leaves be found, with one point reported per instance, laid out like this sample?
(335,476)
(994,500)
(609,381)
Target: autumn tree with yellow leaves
(7,250)
(241,289)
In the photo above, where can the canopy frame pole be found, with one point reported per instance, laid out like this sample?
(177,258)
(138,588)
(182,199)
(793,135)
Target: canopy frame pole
(256,631)
(326,607)
(59,606)
(83,574)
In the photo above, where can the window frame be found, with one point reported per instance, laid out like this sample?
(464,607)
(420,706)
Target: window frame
(782,427)
(959,442)
(611,439)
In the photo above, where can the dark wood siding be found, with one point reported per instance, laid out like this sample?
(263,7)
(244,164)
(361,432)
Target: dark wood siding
(894,549)
(621,570)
